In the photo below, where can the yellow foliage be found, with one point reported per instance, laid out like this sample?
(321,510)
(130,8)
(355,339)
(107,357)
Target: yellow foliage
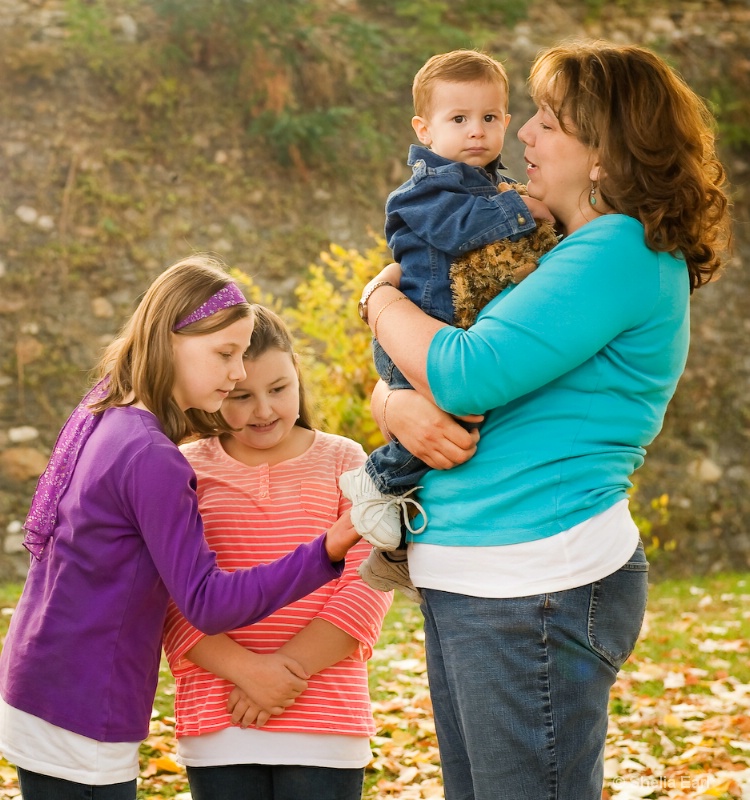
(336,344)
(655,515)
(166,764)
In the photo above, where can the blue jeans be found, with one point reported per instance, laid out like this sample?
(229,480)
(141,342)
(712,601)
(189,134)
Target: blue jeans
(520,686)
(42,787)
(274,782)
(393,469)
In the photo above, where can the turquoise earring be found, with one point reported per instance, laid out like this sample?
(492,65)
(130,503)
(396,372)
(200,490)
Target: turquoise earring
(592,194)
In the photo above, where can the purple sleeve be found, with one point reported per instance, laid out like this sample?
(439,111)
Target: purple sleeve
(160,485)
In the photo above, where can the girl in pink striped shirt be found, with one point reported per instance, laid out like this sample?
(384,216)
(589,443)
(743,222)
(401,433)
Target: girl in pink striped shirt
(279,710)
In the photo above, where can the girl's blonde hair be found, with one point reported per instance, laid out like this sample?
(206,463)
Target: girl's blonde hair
(140,362)
(655,140)
(271,333)
(458,66)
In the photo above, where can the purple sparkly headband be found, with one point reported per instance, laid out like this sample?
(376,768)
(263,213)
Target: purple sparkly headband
(227,297)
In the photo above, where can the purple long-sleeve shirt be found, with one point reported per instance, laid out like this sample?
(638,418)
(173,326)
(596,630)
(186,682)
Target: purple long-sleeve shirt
(84,644)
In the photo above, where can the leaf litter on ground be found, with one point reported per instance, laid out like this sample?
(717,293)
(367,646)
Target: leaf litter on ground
(680,708)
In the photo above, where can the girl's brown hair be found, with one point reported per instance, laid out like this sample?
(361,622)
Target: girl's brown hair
(140,362)
(271,333)
(655,140)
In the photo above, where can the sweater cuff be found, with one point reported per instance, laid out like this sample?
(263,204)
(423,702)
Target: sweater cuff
(334,569)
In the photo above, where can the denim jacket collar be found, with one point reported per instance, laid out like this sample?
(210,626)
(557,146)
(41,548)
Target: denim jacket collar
(418,152)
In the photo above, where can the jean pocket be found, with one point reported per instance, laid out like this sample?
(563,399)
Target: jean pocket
(617,608)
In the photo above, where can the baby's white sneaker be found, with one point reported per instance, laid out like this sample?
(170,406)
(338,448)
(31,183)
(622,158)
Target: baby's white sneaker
(376,516)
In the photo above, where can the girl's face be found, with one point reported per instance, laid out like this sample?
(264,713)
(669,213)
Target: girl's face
(207,366)
(265,404)
(560,169)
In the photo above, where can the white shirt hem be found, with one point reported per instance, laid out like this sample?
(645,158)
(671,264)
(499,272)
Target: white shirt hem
(585,553)
(252,746)
(36,745)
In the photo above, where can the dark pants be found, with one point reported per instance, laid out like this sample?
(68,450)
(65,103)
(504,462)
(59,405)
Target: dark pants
(274,782)
(42,787)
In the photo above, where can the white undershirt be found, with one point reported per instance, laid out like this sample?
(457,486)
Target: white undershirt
(253,746)
(585,553)
(38,746)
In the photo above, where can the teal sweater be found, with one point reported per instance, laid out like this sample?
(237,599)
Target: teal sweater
(573,369)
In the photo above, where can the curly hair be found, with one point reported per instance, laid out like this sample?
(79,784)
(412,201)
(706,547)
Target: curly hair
(655,140)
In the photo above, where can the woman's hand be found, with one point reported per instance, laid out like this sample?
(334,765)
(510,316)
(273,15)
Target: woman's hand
(426,431)
(538,209)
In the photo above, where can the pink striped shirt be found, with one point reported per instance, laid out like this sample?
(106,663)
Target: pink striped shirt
(254,515)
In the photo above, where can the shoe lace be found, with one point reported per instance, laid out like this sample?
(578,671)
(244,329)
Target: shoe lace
(403,501)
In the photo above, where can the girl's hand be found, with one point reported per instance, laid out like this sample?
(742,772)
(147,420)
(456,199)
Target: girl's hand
(341,537)
(430,433)
(244,712)
(273,684)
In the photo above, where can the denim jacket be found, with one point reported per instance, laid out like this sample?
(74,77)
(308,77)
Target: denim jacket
(444,210)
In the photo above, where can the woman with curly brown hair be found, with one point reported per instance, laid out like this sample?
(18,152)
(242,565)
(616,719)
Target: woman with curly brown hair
(531,570)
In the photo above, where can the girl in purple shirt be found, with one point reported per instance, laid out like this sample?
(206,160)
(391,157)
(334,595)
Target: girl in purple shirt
(114,531)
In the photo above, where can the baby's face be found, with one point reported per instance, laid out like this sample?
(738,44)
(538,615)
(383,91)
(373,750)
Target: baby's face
(466,122)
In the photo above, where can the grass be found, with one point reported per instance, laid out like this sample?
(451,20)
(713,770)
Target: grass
(680,711)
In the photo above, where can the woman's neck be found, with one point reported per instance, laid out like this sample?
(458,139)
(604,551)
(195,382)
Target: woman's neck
(583,218)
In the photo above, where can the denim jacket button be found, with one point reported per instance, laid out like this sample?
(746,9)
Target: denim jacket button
(521,219)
